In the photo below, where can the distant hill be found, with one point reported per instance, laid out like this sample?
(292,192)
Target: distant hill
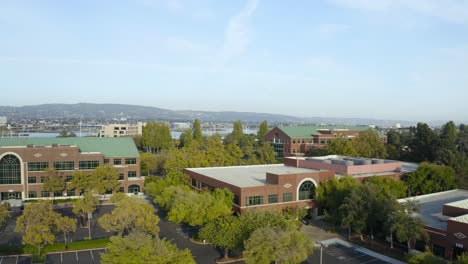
(110,112)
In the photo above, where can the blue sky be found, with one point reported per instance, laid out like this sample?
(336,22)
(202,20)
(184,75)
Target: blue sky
(385,59)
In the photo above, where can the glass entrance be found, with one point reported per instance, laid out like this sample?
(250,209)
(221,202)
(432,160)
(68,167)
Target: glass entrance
(135,189)
(11,196)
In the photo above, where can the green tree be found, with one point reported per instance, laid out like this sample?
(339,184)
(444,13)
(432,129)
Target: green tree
(54,182)
(85,205)
(4,214)
(269,244)
(426,258)
(148,163)
(38,224)
(237,131)
(197,131)
(255,219)
(81,182)
(407,226)
(355,212)
(106,179)
(186,138)
(65,225)
(342,146)
(449,135)
(141,248)
(368,144)
(430,178)
(266,153)
(197,209)
(130,214)
(223,232)
(389,187)
(331,195)
(424,144)
(462,259)
(262,131)
(157,137)
(214,151)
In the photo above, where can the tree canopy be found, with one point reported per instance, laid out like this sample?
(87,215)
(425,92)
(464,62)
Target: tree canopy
(142,248)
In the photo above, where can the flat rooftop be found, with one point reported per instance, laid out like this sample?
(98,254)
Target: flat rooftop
(432,204)
(248,176)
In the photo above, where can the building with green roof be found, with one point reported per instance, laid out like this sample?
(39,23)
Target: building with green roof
(297,140)
(23,162)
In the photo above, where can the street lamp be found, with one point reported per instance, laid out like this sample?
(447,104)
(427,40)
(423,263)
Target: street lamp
(321,250)
(90,215)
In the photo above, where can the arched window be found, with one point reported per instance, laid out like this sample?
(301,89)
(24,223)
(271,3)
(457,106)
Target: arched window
(307,191)
(10,170)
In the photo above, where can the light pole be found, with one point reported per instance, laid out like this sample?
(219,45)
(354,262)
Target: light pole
(321,250)
(90,215)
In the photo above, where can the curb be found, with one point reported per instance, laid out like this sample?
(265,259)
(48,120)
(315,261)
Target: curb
(229,261)
(198,243)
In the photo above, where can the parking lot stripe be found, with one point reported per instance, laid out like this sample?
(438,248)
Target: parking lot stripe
(372,260)
(91,254)
(61,257)
(1,260)
(16,259)
(76,255)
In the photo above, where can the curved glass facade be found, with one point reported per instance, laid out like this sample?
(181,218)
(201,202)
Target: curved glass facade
(307,191)
(10,170)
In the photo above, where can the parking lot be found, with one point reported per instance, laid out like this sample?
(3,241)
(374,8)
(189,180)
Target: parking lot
(76,257)
(15,259)
(335,254)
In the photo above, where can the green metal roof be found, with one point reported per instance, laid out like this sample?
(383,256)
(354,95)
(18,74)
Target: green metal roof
(110,147)
(309,131)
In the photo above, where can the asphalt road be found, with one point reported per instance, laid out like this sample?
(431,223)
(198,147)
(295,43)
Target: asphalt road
(203,254)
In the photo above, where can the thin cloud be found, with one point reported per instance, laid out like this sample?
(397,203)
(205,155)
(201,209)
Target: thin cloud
(331,29)
(237,35)
(453,11)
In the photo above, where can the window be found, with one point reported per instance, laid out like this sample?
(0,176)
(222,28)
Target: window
(10,170)
(322,142)
(106,161)
(71,192)
(45,194)
(272,198)
(194,182)
(207,186)
(121,176)
(32,194)
(236,199)
(294,150)
(307,191)
(42,179)
(438,250)
(64,165)
(57,194)
(315,141)
(37,166)
(130,161)
(253,200)
(69,178)
(88,164)
(117,161)
(294,141)
(32,179)
(132,174)
(121,189)
(287,197)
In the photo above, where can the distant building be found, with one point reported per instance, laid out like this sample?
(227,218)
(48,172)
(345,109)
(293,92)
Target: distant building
(121,130)
(293,183)
(297,140)
(446,217)
(3,120)
(181,125)
(23,161)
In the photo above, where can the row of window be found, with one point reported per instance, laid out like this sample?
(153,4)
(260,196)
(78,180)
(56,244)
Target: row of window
(128,161)
(33,194)
(70,165)
(272,198)
(310,141)
(69,178)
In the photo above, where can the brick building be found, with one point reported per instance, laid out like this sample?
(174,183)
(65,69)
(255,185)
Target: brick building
(297,140)
(23,161)
(446,217)
(290,184)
